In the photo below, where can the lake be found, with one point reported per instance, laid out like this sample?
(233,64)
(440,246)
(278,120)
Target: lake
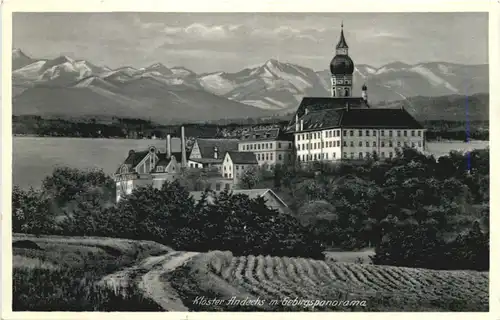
(35,157)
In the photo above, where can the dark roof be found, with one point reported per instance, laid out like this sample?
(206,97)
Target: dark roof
(206,160)
(243,157)
(223,145)
(325,103)
(164,161)
(341,64)
(379,118)
(266,134)
(322,119)
(251,193)
(133,159)
(358,118)
(342,43)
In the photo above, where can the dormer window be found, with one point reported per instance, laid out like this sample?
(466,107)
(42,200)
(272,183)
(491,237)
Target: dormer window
(124,169)
(160,169)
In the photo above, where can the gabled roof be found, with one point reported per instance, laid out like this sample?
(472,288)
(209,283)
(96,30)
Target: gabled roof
(358,118)
(135,157)
(132,160)
(206,160)
(164,160)
(255,193)
(223,145)
(318,120)
(251,193)
(272,134)
(243,157)
(324,103)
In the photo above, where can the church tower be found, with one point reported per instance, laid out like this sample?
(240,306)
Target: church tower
(341,68)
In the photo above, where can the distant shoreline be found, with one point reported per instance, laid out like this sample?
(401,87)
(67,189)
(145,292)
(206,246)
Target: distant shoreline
(120,138)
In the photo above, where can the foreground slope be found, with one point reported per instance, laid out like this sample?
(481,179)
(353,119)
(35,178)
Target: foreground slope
(220,275)
(175,280)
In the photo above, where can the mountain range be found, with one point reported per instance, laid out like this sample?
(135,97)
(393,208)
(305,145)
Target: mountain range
(69,87)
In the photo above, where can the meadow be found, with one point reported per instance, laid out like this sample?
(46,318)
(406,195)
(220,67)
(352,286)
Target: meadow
(55,273)
(35,157)
(344,286)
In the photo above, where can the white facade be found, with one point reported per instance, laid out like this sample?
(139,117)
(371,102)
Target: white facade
(269,152)
(355,143)
(318,145)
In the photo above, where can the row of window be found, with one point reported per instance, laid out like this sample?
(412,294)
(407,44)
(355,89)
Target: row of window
(340,81)
(163,169)
(360,133)
(317,145)
(332,144)
(382,144)
(263,146)
(405,133)
(317,135)
(324,156)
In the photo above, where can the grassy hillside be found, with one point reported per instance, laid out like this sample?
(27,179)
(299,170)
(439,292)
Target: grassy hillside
(222,276)
(105,274)
(52,273)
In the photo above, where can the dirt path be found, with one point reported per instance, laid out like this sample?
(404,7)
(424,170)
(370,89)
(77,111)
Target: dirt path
(160,290)
(148,274)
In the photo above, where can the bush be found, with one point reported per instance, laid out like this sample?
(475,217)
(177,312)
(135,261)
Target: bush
(72,290)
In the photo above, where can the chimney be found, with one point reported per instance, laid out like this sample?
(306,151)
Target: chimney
(297,125)
(301,125)
(183,148)
(216,153)
(169,146)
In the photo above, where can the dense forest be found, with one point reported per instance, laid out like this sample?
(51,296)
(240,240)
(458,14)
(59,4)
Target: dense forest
(139,128)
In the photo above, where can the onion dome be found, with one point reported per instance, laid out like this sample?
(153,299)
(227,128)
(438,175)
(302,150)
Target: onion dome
(341,65)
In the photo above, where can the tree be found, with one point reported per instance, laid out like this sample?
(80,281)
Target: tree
(65,184)
(249,178)
(31,212)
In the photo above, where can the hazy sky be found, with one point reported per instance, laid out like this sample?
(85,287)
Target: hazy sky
(205,42)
